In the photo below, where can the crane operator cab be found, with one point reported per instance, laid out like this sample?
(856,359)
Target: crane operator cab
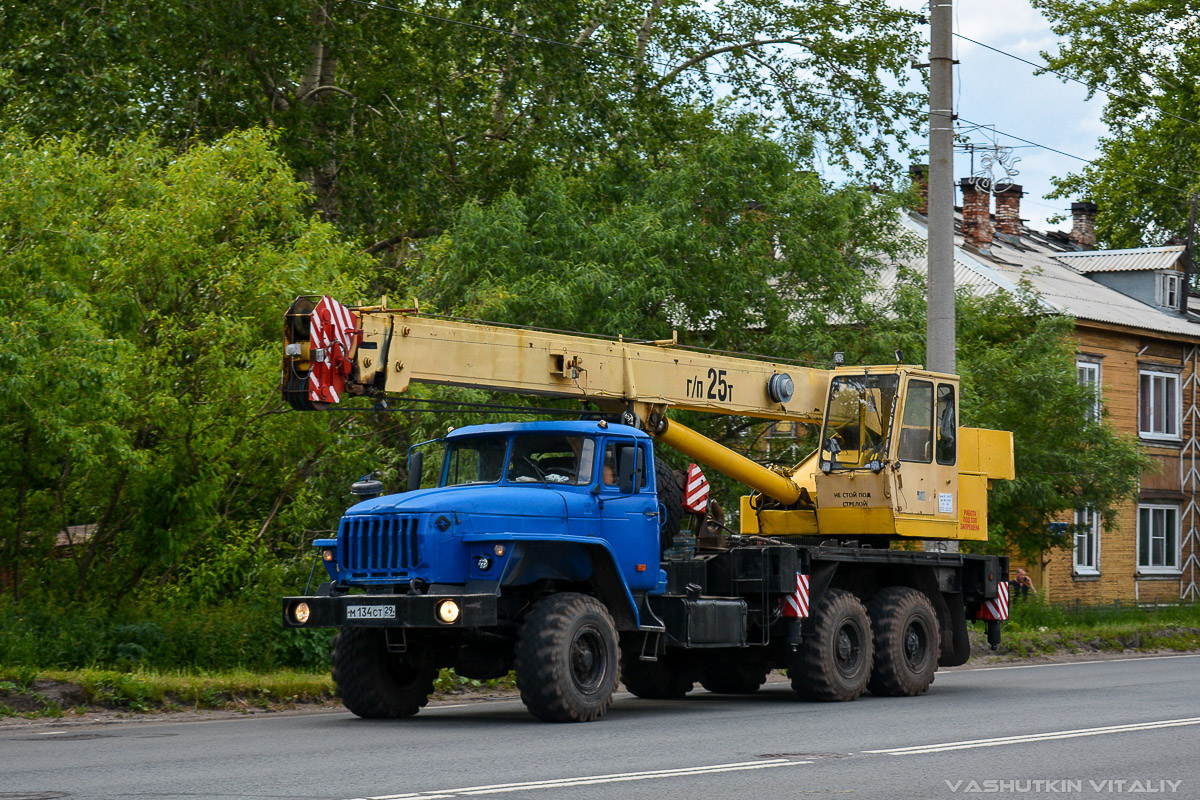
(892,462)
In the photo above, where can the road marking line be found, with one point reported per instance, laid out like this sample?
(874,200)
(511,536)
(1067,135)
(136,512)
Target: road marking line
(924,749)
(969,670)
(591,780)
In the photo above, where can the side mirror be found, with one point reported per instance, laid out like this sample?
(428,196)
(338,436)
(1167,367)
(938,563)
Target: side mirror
(415,462)
(627,470)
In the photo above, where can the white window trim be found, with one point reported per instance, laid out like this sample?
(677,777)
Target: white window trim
(1167,286)
(1175,377)
(1081,569)
(1152,570)
(1098,387)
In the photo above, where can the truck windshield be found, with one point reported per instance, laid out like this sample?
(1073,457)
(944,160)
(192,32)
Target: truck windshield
(534,458)
(552,458)
(476,460)
(858,420)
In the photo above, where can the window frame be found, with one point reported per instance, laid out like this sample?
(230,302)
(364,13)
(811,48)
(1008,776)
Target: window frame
(1093,530)
(1177,418)
(1084,364)
(1168,290)
(1170,536)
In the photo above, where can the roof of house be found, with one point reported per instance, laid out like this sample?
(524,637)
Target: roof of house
(1142,258)
(1051,266)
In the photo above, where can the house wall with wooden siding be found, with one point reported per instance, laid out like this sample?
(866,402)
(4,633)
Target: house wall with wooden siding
(1121,354)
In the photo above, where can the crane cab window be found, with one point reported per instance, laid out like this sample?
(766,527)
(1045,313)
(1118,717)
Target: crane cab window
(947,425)
(858,421)
(916,429)
(551,459)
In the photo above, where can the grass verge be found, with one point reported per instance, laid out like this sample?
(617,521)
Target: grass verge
(34,693)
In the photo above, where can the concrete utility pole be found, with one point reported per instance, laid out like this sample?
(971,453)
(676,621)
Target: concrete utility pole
(939,329)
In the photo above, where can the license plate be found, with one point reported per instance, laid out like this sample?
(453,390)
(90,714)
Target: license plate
(370,612)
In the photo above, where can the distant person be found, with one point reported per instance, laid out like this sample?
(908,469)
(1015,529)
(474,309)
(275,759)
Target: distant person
(1022,584)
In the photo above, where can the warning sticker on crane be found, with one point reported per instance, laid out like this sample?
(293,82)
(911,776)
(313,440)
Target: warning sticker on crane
(996,609)
(796,603)
(695,490)
(334,335)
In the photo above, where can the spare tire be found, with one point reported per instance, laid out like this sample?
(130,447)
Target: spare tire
(670,495)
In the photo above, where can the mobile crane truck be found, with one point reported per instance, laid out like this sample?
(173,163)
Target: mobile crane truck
(546,547)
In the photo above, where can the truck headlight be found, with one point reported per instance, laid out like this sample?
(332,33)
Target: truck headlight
(327,554)
(447,611)
(300,613)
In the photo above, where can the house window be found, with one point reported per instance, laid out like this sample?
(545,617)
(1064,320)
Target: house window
(1087,542)
(1169,294)
(1158,539)
(781,429)
(1089,375)
(1158,404)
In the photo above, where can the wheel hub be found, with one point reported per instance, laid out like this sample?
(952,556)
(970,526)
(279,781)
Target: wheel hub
(588,662)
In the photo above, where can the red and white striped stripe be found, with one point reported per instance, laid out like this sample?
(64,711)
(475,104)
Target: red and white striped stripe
(796,603)
(334,335)
(996,609)
(695,491)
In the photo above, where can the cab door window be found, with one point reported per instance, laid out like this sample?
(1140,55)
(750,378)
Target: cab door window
(947,425)
(916,429)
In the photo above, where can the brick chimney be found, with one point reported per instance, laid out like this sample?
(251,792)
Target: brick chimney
(920,178)
(976,212)
(1008,210)
(1083,225)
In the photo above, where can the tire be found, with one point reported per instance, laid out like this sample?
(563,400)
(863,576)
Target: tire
(376,684)
(568,659)
(671,497)
(834,662)
(669,678)
(727,674)
(906,642)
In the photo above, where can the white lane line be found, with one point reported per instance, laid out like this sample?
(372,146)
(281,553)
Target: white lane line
(591,780)
(968,670)
(924,749)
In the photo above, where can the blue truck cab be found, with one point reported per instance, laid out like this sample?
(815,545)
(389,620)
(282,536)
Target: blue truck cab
(516,504)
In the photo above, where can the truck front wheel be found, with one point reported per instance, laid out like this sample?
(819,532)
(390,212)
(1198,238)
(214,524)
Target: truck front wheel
(834,662)
(375,683)
(567,659)
(906,642)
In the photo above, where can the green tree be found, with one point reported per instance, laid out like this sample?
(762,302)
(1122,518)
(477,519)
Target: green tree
(1148,54)
(395,114)
(141,302)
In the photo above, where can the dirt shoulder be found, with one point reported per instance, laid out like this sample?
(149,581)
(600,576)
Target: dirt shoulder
(70,707)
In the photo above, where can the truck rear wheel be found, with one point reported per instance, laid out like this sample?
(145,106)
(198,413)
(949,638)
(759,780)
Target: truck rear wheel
(568,659)
(376,684)
(834,663)
(906,642)
(726,674)
(669,678)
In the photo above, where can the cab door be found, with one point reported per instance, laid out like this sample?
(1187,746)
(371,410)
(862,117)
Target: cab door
(629,520)
(914,483)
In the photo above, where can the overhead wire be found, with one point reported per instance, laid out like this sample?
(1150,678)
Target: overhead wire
(589,48)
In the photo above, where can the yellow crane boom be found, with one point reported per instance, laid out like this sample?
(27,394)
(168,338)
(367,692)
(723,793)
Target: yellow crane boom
(893,461)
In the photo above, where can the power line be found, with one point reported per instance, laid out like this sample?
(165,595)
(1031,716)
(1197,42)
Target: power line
(669,65)
(1094,88)
(1078,158)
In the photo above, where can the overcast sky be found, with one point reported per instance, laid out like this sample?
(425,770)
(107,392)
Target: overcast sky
(993,89)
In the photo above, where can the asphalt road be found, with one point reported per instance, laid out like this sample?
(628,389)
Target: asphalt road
(1088,729)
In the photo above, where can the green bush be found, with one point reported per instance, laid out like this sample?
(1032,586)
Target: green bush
(221,637)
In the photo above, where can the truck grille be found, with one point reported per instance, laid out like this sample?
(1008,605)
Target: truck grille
(382,546)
